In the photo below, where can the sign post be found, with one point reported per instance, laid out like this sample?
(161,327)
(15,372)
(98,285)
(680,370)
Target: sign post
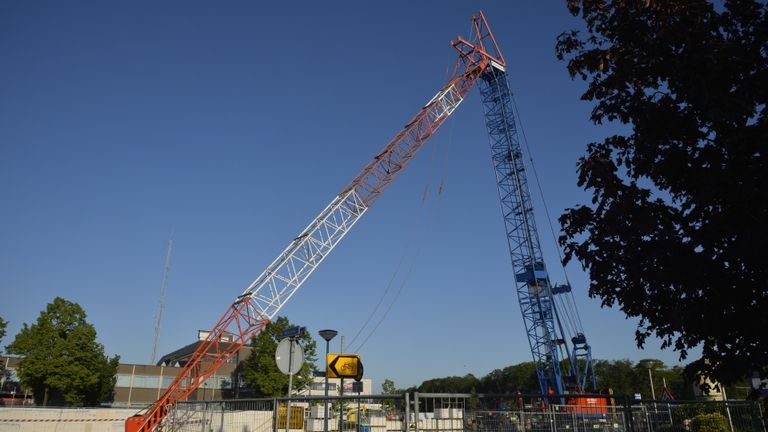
(343,366)
(289,357)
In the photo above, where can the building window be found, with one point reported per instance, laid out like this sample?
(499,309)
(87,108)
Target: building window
(320,386)
(153,381)
(146,381)
(123,380)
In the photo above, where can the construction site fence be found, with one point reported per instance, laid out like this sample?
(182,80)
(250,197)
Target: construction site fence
(442,412)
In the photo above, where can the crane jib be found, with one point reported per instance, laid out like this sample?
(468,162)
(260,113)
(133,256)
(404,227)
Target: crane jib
(480,61)
(260,302)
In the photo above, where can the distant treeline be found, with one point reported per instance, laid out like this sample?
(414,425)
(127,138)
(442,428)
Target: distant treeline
(622,377)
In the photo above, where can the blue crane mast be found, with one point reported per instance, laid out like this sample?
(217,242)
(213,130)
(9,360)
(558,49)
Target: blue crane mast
(537,296)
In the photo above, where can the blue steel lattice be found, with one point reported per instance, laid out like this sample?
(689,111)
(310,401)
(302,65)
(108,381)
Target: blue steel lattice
(532,282)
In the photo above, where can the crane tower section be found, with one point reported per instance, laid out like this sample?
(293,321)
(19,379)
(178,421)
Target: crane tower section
(536,294)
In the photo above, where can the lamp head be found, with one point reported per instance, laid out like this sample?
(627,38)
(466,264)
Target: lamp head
(328,334)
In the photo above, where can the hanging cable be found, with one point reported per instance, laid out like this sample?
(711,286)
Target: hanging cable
(441,160)
(384,295)
(576,321)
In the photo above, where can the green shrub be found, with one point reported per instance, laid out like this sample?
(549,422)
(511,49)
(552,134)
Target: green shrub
(714,422)
(669,428)
(689,411)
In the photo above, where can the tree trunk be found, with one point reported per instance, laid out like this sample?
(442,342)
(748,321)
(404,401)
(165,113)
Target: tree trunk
(45,397)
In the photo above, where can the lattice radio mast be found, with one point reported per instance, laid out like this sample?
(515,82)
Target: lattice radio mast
(161,301)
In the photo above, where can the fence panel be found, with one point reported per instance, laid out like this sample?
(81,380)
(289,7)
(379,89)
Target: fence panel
(442,412)
(252,415)
(672,416)
(513,413)
(370,413)
(595,413)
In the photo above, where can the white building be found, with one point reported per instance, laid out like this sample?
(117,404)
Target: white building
(334,387)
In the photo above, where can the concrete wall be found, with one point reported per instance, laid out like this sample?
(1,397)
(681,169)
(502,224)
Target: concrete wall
(64,419)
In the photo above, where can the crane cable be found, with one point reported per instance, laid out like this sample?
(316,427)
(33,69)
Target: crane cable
(422,241)
(571,312)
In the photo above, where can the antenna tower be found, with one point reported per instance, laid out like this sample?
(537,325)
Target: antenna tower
(161,301)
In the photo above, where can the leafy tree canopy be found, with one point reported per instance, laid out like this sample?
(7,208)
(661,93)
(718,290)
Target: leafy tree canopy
(3,325)
(621,377)
(516,378)
(675,233)
(62,362)
(453,384)
(627,378)
(388,387)
(260,372)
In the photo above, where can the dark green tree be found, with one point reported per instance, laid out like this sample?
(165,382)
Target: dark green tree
(62,362)
(675,233)
(388,387)
(260,371)
(516,378)
(3,325)
(654,370)
(451,384)
(620,376)
(107,378)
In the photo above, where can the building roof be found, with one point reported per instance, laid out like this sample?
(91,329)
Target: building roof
(181,356)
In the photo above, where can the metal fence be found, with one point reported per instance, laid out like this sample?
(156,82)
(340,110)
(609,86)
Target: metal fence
(371,413)
(431,412)
(519,413)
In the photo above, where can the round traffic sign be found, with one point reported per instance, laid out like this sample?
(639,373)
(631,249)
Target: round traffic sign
(289,356)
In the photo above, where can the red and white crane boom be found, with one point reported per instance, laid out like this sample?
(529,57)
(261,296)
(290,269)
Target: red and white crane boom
(263,299)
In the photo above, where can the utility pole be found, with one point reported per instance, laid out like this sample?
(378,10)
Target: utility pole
(341,391)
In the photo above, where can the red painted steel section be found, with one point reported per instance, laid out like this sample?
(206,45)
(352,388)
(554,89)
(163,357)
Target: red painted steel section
(474,58)
(240,320)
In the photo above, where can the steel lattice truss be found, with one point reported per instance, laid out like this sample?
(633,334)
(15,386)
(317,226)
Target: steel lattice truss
(534,290)
(382,170)
(261,301)
(533,287)
(275,286)
(264,298)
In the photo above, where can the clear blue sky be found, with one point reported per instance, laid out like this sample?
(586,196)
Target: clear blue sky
(232,125)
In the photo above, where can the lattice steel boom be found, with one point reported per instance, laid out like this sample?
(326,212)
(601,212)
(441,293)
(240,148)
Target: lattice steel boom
(535,292)
(261,301)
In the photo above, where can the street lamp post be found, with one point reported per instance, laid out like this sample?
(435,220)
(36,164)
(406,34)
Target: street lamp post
(648,364)
(650,378)
(327,335)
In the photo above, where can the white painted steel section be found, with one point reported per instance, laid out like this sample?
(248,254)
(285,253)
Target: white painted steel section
(448,99)
(281,279)
(498,66)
